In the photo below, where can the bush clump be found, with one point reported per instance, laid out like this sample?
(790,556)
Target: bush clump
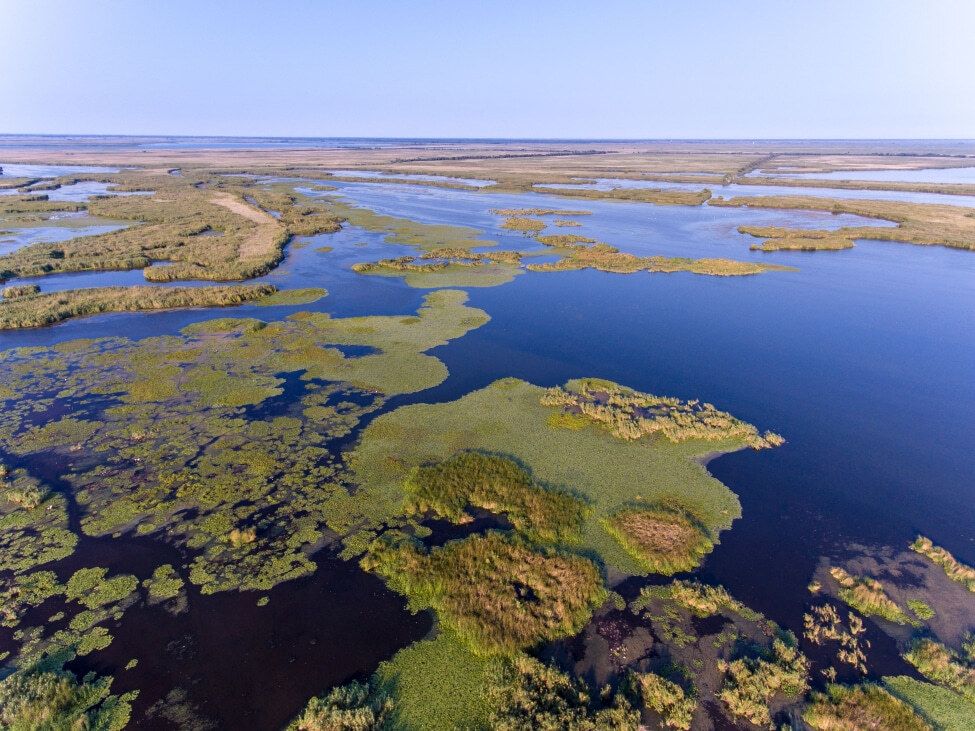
(861,707)
(497,484)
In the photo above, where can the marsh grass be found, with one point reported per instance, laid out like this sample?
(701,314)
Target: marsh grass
(859,707)
(663,541)
(955,569)
(581,252)
(788,239)
(943,666)
(508,419)
(497,594)
(943,708)
(520,223)
(527,694)
(45,698)
(497,484)
(355,707)
(917,223)
(667,699)
(751,683)
(867,596)
(38,310)
(632,415)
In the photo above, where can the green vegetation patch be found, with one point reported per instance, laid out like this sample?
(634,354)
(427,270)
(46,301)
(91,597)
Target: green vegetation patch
(943,666)
(164,584)
(437,685)
(751,683)
(867,596)
(510,418)
(667,699)
(955,569)
(36,310)
(173,452)
(292,297)
(496,484)
(44,699)
(662,541)
(866,706)
(527,694)
(355,706)
(495,593)
(943,708)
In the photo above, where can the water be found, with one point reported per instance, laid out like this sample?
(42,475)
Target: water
(16,170)
(862,359)
(732,190)
(412,176)
(965,175)
(15,238)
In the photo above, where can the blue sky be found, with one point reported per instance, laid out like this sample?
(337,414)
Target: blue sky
(609,69)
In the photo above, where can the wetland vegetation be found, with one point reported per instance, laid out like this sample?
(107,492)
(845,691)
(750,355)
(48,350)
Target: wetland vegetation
(149,471)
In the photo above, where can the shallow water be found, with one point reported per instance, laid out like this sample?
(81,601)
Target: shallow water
(478,183)
(16,238)
(922,175)
(862,359)
(17,170)
(729,191)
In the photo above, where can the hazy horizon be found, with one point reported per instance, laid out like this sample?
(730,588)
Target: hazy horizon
(622,70)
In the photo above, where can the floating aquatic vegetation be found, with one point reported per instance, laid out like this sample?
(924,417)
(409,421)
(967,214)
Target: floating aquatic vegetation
(943,708)
(33,524)
(164,584)
(251,496)
(437,684)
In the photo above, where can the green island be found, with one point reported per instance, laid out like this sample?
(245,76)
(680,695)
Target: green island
(926,224)
(36,309)
(793,239)
(955,569)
